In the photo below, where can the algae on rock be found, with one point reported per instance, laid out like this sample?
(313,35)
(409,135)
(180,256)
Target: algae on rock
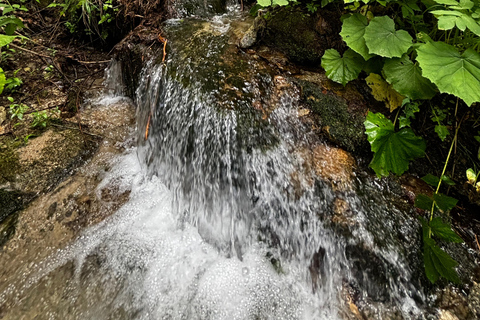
(342,126)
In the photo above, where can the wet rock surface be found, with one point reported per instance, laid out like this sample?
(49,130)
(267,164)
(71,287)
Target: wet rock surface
(303,37)
(56,217)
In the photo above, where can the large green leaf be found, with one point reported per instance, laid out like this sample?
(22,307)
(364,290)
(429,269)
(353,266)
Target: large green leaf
(438,262)
(4,39)
(342,69)
(406,77)
(443,202)
(452,72)
(393,150)
(444,231)
(381,38)
(353,29)
(424,202)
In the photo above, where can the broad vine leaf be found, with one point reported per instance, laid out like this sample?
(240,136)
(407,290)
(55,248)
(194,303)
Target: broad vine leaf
(381,38)
(342,69)
(392,150)
(3,80)
(431,180)
(280,2)
(443,202)
(264,3)
(438,262)
(424,202)
(443,231)
(441,131)
(4,39)
(452,72)
(353,29)
(448,181)
(447,2)
(406,78)
(383,91)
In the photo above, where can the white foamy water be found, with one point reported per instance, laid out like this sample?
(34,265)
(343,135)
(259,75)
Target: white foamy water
(152,267)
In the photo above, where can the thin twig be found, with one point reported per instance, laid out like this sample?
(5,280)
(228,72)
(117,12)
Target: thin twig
(73,128)
(30,51)
(148,126)
(164,50)
(93,62)
(478,244)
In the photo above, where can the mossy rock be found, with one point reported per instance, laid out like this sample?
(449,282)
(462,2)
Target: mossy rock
(343,127)
(293,33)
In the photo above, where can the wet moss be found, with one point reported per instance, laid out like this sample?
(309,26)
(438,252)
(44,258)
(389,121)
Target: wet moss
(293,33)
(340,125)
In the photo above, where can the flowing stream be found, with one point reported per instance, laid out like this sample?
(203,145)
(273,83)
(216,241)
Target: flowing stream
(223,221)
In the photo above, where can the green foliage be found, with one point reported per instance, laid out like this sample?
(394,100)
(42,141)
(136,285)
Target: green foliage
(40,119)
(451,71)
(463,14)
(87,16)
(17,110)
(3,80)
(434,181)
(406,77)
(438,263)
(342,69)
(268,3)
(9,23)
(353,31)
(382,39)
(11,84)
(409,110)
(392,150)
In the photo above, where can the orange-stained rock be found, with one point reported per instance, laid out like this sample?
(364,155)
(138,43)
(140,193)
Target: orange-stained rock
(334,165)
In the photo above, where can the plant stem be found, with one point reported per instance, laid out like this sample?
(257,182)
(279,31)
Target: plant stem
(443,172)
(396,116)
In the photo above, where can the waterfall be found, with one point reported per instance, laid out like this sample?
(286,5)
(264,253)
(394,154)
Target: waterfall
(223,221)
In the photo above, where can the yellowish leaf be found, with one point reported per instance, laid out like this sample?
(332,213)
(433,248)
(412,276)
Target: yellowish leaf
(383,91)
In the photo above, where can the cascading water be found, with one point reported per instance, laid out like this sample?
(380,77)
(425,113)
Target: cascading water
(223,222)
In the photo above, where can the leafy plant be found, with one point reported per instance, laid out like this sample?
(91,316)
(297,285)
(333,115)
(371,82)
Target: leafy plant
(436,261)
(11,84)
(342,69)
(392,150)
(92,15)
(17,110)
(40,119)
(419,68)
(9,23)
